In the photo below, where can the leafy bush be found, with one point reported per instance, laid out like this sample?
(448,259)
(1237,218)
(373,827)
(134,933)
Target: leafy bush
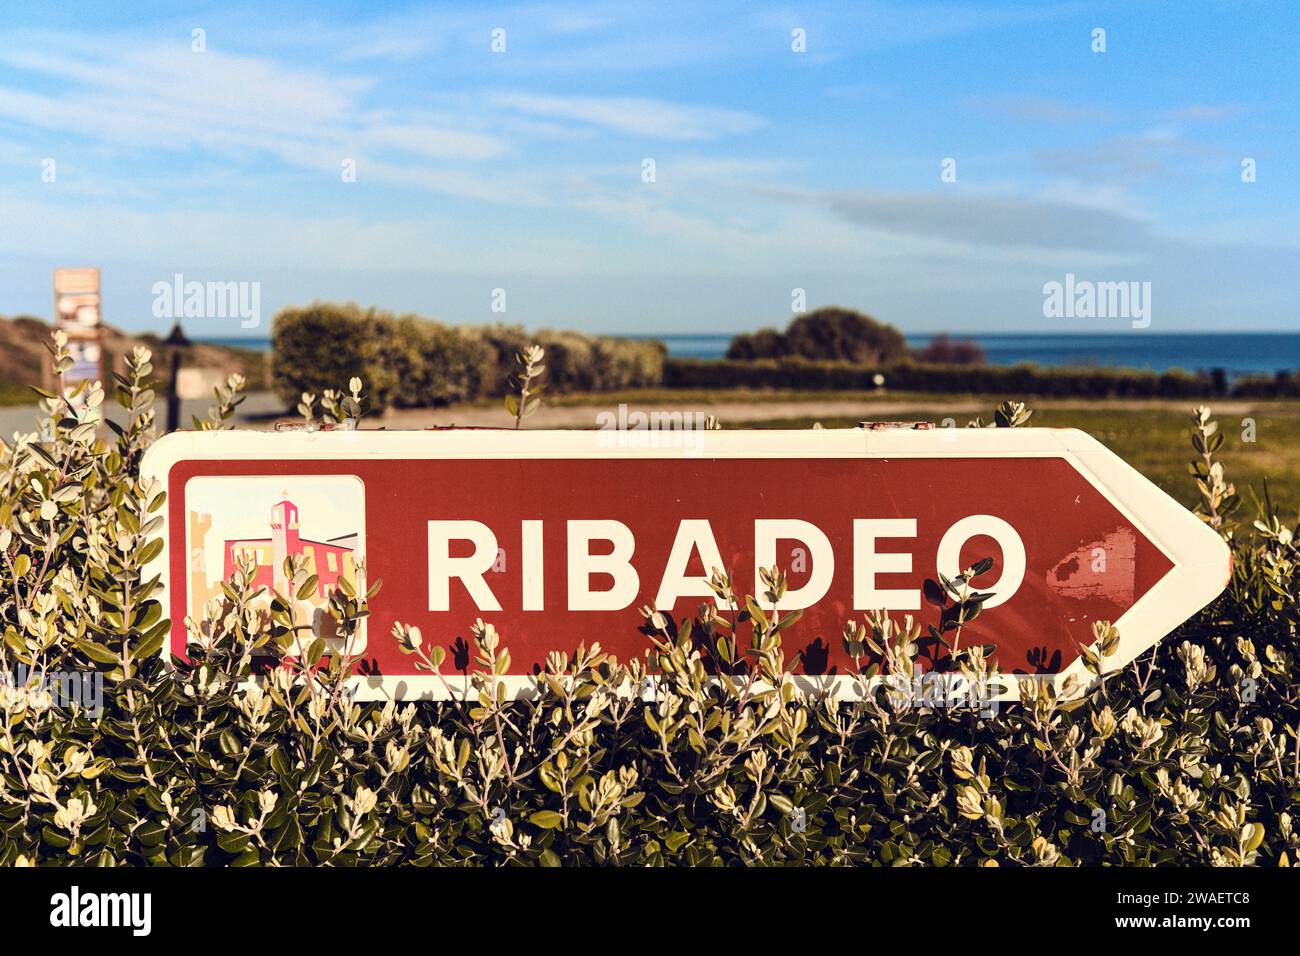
(765,343)
(1188,756)
(413,362)
(321,345)
(432,364)
(827,334)
(943,350)
(577,362)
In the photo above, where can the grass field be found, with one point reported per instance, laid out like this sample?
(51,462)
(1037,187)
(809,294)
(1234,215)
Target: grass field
(1150,434)
(1155,441)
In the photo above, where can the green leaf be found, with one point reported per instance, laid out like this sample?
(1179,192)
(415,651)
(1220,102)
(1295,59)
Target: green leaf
(152,642)
(933,593)
(233,842)
(150,551)
(315,651)
(96,652)
(1252,836)
(546,819)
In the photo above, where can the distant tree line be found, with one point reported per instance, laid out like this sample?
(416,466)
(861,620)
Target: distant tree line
(835,334)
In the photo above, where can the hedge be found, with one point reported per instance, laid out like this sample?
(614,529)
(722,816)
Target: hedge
(410,361)
(1187,756)
(804,375)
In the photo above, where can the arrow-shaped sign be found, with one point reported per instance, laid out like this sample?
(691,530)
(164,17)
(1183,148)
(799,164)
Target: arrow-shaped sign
(558,538)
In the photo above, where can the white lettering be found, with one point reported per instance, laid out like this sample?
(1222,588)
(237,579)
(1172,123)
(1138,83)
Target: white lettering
(692,535)
(768,531)
(443,567)
(617,564)
(867,563)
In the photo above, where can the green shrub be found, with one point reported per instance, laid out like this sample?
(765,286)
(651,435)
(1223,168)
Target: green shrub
(323,344)
(1185,757)
(433,364)
(570,362)
(630,363)
(827,334)
(413,362)
(942,349)
(576,362)
(502,343)
(765,343)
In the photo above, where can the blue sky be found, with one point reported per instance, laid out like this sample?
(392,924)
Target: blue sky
(774,169)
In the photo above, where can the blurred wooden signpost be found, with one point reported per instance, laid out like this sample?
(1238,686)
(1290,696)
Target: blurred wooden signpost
(558,538)
(77,314)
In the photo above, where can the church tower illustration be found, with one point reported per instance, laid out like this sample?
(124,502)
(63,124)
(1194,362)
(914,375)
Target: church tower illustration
(284,540)
(328,560)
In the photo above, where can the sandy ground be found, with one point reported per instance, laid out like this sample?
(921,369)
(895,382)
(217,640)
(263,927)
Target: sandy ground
(585,416)
(261,410)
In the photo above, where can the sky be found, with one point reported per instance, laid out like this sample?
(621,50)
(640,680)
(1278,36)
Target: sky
(644,168)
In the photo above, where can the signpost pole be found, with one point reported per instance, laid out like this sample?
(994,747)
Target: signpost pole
(177,344)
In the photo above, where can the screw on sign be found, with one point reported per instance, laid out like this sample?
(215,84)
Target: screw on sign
(558,538)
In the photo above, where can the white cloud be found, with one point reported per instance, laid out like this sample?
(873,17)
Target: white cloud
(148,97)
(401,48)
(1153,152)
(434,142)
(965,218)
(635,116)
(1041,109)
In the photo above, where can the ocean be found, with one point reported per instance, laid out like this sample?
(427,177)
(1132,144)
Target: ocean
(1239,353)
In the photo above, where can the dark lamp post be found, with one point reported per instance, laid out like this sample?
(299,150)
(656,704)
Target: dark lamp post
(178,344)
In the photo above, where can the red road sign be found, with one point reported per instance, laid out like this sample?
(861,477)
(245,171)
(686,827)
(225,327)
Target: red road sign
(559,537)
